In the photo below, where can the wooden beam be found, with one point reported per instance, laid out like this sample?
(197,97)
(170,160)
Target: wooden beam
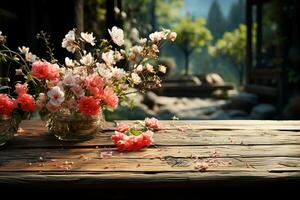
(249,22)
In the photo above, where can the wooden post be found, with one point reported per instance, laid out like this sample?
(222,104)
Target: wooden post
(259,33)
(249,20)
(79,15)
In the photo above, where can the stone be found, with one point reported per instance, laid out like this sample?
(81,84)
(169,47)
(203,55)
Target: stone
(238,114)
(263,111)
(242,101)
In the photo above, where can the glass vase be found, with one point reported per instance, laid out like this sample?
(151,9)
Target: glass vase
(74,126)
(8,128)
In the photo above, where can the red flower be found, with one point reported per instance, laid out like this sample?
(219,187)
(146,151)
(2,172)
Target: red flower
(89,106)
(6,105)
(27,102)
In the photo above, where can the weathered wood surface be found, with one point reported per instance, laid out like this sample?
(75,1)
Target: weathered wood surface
(238,151)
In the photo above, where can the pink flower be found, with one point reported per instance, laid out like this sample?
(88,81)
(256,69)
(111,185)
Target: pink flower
(21,88)
(122,127)
(94,80)
(89,106)
(52,108)
(201,166)
(147,138)
(6,105)
(78,91)
(94,83)
(27,102)
(109,97)
(45,70)
(132,143)
(42,97)
(152,123)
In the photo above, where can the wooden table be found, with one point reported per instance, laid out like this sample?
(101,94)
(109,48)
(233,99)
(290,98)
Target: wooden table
(238,154)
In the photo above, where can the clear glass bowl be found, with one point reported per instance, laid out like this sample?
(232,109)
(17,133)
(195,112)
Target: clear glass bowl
(74,127)
(8,128)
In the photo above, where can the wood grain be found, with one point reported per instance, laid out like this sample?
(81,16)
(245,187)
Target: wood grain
(234,151)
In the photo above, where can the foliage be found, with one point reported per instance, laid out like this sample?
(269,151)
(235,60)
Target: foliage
(192,35)
(167,11)
(233,44)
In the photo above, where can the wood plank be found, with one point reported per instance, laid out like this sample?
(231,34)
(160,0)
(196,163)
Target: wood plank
(35,137)
(150,153)
(153,180)
(293,125)
(231,124)
(150,160)
(262,90)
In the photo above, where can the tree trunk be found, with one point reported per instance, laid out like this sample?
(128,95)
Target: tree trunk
(187,62)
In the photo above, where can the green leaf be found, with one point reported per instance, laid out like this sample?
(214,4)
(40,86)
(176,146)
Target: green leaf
(4,88)
(134,132)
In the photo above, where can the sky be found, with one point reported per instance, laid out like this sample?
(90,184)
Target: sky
(201,7)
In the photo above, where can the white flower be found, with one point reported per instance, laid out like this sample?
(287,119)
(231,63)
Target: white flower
(56,95)
(109,58)
(78,91)
(29,57)
(173,36)
(103,70)
(69,42)
(117,73)
(19,72)
(134,34)
(136,49)
(162,69)
(149,68)
(157,36)
(143,41)
(2,37)
(69,79)
(154,48)
(24,50)
(69,62)
(117,35)
(135,78)
(89,38)
(138,68)
(87,59)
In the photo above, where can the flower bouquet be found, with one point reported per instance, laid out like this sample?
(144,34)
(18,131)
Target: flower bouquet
(72,95)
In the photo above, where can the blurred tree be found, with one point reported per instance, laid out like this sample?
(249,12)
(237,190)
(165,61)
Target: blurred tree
(216,21)
(233,45)
(192,35)
(167,12)
(236,15)
(96,11)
